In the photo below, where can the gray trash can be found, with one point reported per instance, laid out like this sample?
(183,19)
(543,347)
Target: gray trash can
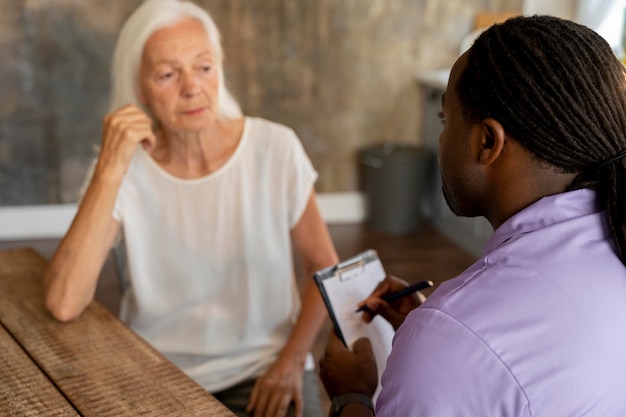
(394,177)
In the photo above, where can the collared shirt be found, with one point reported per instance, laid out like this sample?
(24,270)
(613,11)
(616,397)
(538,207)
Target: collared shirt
(536,327)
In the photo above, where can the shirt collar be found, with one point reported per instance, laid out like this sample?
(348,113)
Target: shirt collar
(545,212)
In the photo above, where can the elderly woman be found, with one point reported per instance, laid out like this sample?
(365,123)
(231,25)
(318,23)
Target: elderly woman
(209,204)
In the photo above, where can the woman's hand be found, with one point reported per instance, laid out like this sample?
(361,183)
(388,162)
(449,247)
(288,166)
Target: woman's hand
(277,388)
(123,130)
(396,312)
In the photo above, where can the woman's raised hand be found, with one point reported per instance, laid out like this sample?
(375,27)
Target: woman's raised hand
(123,130)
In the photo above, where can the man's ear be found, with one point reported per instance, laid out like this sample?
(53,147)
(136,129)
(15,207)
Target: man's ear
(493,140)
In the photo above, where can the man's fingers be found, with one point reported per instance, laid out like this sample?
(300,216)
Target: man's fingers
(363,347)
(383,287)
(334,343)
(334,349)
(383,309)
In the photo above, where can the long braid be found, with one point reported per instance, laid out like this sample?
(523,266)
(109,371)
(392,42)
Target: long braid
(558,89)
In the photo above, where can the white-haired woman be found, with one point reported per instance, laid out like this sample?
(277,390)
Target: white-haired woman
(209,203)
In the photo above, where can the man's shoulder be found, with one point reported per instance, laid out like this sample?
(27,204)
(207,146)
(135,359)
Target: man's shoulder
(440,366)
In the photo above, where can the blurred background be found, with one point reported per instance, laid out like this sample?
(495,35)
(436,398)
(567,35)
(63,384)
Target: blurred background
(344,74)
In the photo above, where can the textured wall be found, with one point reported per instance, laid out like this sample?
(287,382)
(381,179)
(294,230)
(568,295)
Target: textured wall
(340,72)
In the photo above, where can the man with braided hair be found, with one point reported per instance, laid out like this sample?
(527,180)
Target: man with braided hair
(534,140)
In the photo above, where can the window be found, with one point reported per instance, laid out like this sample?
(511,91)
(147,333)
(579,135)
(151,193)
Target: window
(607,18)
(604,16)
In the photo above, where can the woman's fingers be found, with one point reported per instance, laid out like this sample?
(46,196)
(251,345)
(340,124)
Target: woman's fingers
(123,131)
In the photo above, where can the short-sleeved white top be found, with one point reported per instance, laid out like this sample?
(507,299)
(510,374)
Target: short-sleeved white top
(210,260)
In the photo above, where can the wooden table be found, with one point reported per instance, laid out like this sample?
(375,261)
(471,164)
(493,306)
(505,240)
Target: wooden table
(93,366)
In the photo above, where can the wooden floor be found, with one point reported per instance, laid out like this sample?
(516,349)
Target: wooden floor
(424,254)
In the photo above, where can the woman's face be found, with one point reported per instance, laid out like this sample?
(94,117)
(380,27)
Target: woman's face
(178,78)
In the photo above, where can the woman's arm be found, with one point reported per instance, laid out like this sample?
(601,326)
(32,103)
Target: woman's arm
(70,278)
(315,247)
(283,381)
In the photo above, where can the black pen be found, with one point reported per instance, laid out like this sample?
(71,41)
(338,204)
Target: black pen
(408,290)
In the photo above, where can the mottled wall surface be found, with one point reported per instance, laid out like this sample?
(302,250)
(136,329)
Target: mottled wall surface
(340,72)
(54,80)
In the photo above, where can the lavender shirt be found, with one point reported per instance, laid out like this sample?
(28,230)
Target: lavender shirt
(536,327)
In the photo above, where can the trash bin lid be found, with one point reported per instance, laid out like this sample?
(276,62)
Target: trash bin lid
(395,152)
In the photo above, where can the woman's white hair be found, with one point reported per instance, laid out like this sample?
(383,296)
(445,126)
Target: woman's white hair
(151,16)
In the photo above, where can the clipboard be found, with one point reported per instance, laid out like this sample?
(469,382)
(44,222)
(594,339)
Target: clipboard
(342,286)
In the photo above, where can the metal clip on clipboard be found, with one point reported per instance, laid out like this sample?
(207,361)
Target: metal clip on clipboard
(351,264)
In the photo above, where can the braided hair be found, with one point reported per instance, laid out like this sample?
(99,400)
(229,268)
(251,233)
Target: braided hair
(558,89)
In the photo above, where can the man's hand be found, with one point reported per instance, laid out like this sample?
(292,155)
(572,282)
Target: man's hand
(343,371)
(396,312)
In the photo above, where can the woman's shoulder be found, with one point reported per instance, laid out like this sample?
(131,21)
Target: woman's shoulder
(272,138)
(259,126)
